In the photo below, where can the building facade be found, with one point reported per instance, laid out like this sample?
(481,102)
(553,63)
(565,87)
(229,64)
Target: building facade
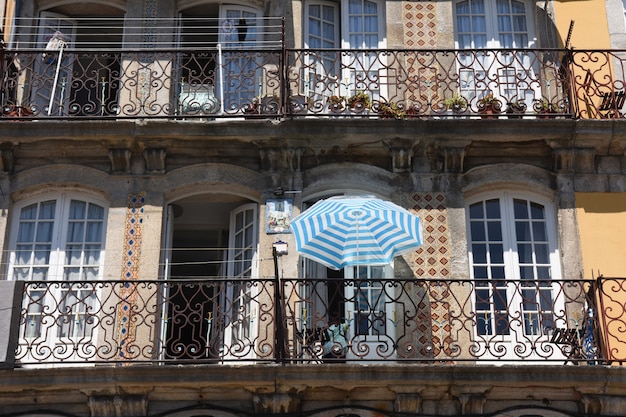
(154,153)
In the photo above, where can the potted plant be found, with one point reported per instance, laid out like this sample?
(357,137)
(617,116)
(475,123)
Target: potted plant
(489,106)
(265,105)
(390,110)
(12,110)
(336,104)
(359,101)
(456,103)
(515,109)
(544,109)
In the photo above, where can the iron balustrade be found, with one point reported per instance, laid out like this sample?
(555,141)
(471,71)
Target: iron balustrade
(220,320)
(215,82)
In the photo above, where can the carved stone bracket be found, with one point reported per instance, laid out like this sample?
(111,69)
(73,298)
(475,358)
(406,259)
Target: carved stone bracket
(579,160)
(120,161)
(409,403)
(155,160)
(604,405)
(401,155)
(472,404)
(453,159)
(275,403)
(280,159)
(118,406)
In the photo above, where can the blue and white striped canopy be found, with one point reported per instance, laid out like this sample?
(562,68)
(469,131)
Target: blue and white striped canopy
(349,230)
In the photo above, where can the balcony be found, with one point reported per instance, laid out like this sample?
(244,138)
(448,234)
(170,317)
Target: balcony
(218,321)
(269,81)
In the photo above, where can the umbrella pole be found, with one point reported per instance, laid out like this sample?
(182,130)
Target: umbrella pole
(280,330)
(56,79)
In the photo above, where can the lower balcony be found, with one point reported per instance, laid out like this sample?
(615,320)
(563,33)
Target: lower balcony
(315,321)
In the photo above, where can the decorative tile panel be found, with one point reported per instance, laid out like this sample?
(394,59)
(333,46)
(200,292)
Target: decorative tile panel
(432,260)
(433,257)
(420,24)
(126,332)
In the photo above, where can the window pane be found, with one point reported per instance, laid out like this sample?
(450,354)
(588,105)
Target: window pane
(525,253)
(44,232)
(497,272)
(26,232)
(520,209)
(46,210)
(496,253)
(314,10)
(77,209)
(539,232)
(495,231)
(477,231)
(480,272)
(29,212)
(476,210)
(75,232)
(493,209)
(541,253)
(522,232)
(537,211)
(479,253)
(526,272)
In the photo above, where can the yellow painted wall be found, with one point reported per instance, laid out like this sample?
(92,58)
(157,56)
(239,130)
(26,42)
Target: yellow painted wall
(590,23)
(602,228)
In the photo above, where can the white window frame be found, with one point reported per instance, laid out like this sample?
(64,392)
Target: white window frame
(69,325)
(491,25)
(517,331)
(347,84)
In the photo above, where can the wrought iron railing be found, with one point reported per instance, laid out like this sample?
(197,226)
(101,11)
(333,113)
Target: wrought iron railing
(216,82)
(323,320)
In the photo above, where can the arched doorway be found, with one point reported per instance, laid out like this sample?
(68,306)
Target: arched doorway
(209,258)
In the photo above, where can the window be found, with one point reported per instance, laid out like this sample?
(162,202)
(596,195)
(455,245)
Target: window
(58,238)
(361,24)
(350,24)
(495,24)
(513,258)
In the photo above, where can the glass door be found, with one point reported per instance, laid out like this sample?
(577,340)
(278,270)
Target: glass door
(240,75)
(240,302)
(497,31)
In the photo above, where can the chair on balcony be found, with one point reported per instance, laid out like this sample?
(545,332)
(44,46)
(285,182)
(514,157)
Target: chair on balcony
(611,104)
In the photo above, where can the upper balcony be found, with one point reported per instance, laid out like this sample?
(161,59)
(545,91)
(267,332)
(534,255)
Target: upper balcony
(242,69)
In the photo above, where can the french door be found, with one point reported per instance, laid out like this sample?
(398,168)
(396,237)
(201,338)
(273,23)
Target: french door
(241,302)
(240,74)
(514,262)
(370,312)
(61,241)
(499,30)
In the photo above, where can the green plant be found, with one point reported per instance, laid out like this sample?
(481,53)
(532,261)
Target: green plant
(267,104)
(544,106)
(456,103)
(391,110)
(489,100)
(360,100)
(489,105)
(336,102)
(517,106)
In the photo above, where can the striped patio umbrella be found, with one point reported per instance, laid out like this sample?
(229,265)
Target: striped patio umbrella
(355,230)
